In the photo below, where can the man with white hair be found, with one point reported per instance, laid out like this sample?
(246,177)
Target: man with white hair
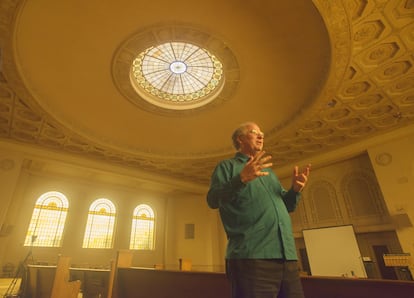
(261,258)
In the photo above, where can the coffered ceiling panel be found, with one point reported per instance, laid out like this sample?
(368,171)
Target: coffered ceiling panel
(315,75)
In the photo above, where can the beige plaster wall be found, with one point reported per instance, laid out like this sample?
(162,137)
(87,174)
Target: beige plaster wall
(393,163)
(204,249)
(80,195)
(20,189)
(10,164)
(23,186)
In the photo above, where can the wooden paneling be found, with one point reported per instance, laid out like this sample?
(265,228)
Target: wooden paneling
(318,287)
(141,282)
(94,282)
(144,282)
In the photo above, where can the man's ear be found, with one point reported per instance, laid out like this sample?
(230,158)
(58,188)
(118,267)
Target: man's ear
(239,140)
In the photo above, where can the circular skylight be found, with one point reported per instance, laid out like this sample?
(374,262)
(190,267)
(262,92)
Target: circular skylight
(177,75)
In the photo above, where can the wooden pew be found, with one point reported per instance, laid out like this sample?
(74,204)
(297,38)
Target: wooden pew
(40,281)
(132,282)
(145,282)
(62,287)
(94,282)
(331,287)
(123,260)
(185,264)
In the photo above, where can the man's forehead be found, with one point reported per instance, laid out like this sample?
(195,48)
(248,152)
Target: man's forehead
(252,126)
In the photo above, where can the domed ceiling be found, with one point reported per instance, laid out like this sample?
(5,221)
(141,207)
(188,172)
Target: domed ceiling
(315,75)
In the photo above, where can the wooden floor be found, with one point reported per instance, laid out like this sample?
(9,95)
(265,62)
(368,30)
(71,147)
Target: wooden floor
(5,283)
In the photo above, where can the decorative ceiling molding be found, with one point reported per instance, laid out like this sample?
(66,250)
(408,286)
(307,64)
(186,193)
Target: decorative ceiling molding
(167,32)
(368,90)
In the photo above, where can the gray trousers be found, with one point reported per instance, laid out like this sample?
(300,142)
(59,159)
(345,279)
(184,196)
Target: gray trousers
(264,278)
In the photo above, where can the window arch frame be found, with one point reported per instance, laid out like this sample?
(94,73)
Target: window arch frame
(48,220)
(144,222)
(96,234)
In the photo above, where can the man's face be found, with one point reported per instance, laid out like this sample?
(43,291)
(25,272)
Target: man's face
(252,140)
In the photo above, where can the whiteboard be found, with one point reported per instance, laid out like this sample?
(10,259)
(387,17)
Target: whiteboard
(334,251)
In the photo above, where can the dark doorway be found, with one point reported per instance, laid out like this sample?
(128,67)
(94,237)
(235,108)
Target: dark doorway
(386,272)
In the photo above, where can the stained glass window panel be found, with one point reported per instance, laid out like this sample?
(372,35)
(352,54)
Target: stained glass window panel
(100,225)
(143,228)
(177,71)
(48,220)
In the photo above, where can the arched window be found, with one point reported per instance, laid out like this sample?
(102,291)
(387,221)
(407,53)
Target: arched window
(143,228)
(100,225)
(48,220)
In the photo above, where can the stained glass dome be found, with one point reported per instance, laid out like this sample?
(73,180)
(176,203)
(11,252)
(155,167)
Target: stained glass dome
(177,75)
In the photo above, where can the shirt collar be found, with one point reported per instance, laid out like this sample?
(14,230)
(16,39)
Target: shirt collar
(242,157)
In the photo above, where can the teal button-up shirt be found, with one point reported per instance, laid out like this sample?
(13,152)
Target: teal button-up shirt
(255,215)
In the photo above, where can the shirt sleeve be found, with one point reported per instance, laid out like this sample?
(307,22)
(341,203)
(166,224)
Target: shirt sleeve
(224,186)
(291,199)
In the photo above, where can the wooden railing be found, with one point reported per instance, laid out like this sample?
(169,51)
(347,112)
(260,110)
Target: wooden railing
(331,287)
(141,282)
(93,282)
(124,281)
(52,281)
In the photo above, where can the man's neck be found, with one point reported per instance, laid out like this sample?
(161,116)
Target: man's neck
(249,154)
